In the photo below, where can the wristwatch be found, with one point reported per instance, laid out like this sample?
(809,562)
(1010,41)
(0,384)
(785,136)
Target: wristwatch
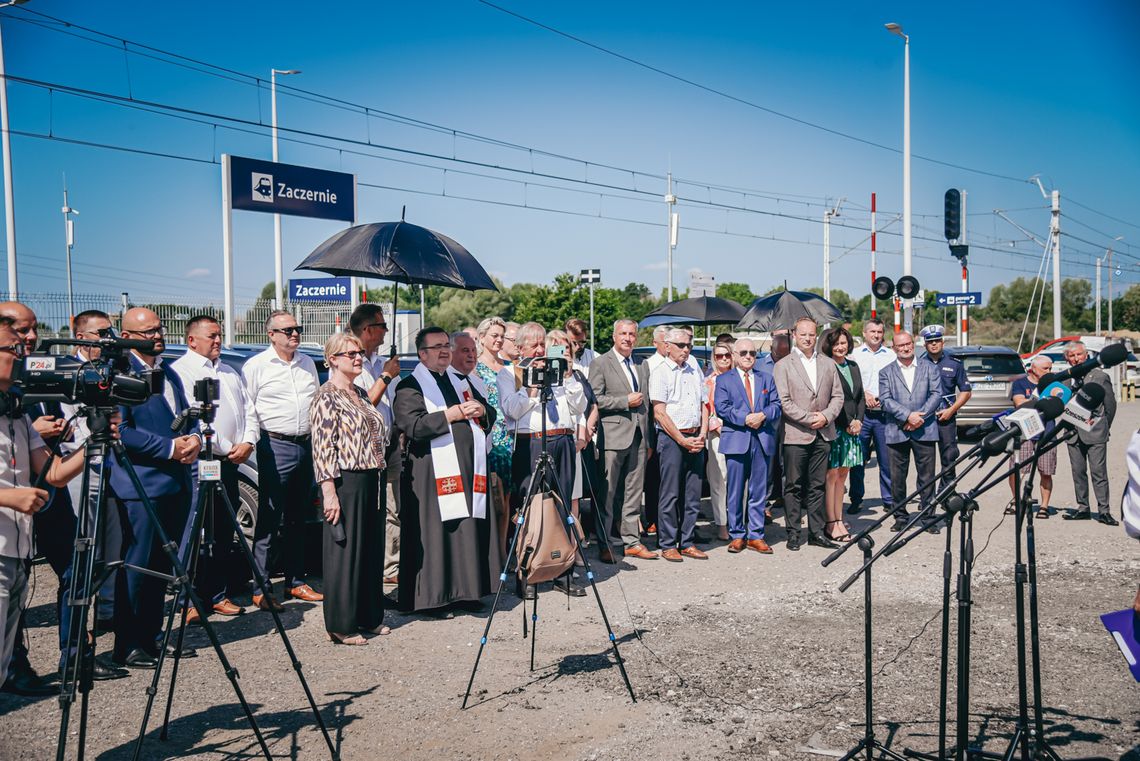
(386,378)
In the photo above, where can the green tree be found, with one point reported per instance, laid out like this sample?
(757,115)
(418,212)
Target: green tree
(458,309)
(741,293)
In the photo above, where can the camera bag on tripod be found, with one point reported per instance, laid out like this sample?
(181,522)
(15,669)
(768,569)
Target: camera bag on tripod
(545,548)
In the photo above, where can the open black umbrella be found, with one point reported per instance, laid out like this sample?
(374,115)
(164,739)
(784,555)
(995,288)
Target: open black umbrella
(782,309)
(704,310)
(400,252)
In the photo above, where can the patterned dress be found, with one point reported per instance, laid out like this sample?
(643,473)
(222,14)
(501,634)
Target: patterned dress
(502,441)
(846,450)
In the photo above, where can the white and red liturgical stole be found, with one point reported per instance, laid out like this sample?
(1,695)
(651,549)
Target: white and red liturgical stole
(444,458)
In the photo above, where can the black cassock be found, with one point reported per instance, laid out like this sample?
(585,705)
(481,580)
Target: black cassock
(440,563)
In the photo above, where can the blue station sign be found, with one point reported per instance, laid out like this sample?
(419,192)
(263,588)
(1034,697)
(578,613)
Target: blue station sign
(969,299)
(321,289)
(302,191)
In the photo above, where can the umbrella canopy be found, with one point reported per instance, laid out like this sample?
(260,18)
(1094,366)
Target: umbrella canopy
(705,310)
(781,310)
(401,252)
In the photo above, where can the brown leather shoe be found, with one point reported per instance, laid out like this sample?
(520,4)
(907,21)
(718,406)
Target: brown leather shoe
(640,551)
(227,608)
(694,553)
(306,593)
(606,555)
(192,616)
(736,545)
(652,529)
(759,545)
(391,581)
(266,602)
(672,555)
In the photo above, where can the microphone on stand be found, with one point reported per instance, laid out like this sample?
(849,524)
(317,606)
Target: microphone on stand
(1029,421)
(1112,355)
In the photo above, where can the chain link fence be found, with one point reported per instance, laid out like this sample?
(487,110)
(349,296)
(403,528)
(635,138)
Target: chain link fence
(53,314)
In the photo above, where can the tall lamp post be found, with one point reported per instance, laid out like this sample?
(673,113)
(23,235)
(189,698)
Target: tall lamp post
(1110,294)
(69,233)
(278,273)
(9,195)
(908,318)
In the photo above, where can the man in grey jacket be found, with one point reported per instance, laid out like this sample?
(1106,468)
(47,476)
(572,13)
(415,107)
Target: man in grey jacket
(1088,452)
(620,386)
(910,393)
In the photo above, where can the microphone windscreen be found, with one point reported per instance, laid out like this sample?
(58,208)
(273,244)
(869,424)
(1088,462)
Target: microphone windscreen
(1046,380)
(1091,395)
(1112,355)
(1050,408)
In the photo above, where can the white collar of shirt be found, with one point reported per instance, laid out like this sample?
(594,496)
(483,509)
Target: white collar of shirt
(908,372)
(741,372)
(865,349)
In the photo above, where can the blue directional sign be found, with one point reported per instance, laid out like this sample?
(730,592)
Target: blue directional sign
(970,299)
(288,189)
(321,289)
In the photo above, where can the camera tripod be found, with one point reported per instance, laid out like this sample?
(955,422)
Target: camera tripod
(545,480)
(209,490)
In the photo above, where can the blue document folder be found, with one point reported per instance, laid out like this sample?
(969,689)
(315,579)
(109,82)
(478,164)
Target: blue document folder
(1123,627)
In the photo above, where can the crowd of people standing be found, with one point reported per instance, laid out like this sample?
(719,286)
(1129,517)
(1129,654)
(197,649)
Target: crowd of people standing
(419,476)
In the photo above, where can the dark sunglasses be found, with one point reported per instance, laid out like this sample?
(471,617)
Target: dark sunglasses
(746,353)
(383,325)
(722,356)
(298,329)
(350,354)
(681,345)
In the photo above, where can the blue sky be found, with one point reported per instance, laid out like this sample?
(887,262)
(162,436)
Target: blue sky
(1013,89)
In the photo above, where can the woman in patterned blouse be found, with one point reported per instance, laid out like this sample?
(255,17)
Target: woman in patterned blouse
(491,332)
(348,456)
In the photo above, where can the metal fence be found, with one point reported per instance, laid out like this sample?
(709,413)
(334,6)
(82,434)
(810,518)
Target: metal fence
(321,319)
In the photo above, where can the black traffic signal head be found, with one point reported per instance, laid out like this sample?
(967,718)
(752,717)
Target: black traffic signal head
(908,287)
(883,287)
(953,214)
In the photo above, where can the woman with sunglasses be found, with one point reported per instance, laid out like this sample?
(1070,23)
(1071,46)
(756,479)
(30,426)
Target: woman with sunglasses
(846,450)
(348,436)
(717,468)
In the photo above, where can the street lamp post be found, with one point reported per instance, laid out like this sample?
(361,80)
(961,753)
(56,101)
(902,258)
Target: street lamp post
(908,319)
(69,237)
(1110,294)
(9,195)
(278,270)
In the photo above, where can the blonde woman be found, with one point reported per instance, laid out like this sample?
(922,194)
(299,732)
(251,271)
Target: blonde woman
(348,436)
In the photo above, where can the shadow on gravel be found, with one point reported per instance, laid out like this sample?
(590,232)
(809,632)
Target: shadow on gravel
(589,663)
(281,729)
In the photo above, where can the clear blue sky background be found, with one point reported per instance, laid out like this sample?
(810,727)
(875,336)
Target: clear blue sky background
(1013,89)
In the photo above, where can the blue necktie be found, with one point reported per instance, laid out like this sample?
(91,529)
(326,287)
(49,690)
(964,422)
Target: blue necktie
(632,376)
(552,411)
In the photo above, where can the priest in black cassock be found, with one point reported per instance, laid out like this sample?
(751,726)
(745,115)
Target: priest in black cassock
(447,558)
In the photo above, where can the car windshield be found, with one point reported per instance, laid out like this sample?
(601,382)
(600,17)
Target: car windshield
(992,364)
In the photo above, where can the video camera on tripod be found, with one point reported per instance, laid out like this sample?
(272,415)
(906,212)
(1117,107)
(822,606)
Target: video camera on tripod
(207,391)
(106,381)
(545,372)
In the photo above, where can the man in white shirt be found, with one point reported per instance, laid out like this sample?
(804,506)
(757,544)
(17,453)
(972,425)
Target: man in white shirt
(378,378)
(235,435)
(652,466)
(679,396)
(280,383)
(523,409)
(871,358)
(22,452)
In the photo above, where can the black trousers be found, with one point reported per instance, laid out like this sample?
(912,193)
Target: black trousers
(682,472)
(924,456)
(285,475)
(353,570)
(948,448)
(561,450)
(805,486)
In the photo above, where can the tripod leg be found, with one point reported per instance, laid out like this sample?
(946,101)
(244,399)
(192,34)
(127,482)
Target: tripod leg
(263,585)
(533,629)
(192,557)
(182,581)
(944,677)
(515,539)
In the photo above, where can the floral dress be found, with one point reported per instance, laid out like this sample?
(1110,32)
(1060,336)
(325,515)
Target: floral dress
(502,441)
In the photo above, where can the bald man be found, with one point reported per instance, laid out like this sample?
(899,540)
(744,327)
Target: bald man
(162,461)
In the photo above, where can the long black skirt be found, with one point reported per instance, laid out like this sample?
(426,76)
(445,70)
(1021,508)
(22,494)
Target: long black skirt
(353,570)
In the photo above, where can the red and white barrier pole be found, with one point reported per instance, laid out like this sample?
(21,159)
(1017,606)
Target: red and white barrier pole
(873,311)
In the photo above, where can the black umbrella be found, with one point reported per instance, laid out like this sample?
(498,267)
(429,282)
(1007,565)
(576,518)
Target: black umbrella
(782,309)
(705,310)
(400,252)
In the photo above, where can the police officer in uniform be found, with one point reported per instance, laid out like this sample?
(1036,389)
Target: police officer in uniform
(956,391)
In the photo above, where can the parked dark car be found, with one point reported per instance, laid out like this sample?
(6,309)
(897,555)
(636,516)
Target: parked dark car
(991,371)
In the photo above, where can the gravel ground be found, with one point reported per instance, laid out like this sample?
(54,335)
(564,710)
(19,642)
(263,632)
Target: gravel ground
(742,654)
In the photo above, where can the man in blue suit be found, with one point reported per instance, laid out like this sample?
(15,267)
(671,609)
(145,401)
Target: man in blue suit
(749,407)
(910,393)
(162,460)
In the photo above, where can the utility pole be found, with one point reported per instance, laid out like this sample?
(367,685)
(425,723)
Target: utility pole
(1055,235)
(69,237)
(1098,261)
(827,215)
(671,224)
(590,278)
(1110,292)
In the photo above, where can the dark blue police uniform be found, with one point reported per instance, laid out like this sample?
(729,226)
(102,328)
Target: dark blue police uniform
(952,374)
